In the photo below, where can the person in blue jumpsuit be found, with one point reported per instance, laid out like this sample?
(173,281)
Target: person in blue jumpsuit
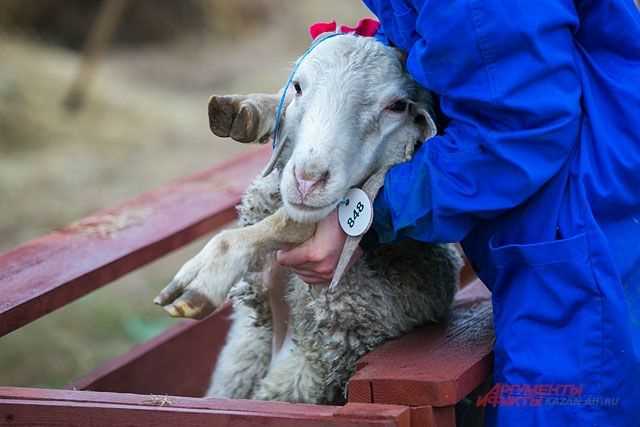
(538,175)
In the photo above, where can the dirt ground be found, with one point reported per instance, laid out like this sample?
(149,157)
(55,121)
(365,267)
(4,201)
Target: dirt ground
(145,125)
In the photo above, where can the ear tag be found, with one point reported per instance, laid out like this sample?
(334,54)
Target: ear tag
(355,213)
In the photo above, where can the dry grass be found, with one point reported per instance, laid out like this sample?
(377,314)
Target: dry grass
(145,125)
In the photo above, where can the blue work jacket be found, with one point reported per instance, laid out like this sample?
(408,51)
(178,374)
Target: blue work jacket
(538,174)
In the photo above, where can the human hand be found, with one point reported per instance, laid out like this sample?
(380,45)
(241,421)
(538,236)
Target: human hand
(316,259)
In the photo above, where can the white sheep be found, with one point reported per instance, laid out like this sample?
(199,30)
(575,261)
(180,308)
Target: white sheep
(352,110)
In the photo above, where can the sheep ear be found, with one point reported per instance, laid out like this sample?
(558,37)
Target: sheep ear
(424,119)
(283,142)
(277,152)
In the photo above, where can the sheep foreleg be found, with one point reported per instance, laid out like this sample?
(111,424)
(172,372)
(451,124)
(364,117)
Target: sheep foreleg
(203,283)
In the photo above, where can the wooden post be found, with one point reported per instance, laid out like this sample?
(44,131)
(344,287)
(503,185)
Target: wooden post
(98,39)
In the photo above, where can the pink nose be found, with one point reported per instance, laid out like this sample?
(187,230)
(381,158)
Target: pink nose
(306,183)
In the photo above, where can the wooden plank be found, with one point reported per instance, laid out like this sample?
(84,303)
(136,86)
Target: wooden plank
(360,391)
(20,406)
(52,413)
(177,362)
(436,366)
(234,405)
(372,412)
(444,417)
(48,273)
(422,416)
(428,416)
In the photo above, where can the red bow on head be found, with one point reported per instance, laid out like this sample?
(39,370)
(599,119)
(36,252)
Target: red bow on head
(365,27)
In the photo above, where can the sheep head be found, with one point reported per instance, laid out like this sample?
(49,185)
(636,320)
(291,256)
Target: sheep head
(351,110)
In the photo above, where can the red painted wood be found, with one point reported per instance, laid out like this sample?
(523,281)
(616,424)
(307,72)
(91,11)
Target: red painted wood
(178,362)
(422,416)
(429,416)
(363,411)
(48,273)
(436,366)
(20,406)
(444,417)
(19,393)
(360,391)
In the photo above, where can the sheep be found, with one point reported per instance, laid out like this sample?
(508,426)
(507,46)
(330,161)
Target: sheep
(352,110)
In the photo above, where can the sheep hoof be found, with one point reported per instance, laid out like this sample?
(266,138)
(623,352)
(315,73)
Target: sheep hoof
(192,305)
(203,282)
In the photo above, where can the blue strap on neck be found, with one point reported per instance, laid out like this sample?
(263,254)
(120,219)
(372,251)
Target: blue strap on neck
(280,108)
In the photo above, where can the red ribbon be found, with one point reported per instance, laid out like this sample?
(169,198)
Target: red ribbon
(365,27)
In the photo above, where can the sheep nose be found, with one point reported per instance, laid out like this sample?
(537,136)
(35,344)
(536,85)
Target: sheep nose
(307,182)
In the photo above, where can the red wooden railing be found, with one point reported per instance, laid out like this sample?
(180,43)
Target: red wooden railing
(413,381)
(50,272)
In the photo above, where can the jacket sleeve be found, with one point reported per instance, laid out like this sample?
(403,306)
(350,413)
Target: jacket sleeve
(382,37)
(507,79)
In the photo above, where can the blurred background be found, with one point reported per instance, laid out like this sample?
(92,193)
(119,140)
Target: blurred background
(136,120)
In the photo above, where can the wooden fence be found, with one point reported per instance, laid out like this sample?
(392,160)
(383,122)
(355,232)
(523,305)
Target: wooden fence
(416,380)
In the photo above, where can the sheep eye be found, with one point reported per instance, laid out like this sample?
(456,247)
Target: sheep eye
(398,106)
(296,86)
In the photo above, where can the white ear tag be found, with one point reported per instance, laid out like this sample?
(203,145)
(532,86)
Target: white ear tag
(355,213)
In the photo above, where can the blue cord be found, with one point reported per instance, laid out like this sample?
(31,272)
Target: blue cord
(276,129)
